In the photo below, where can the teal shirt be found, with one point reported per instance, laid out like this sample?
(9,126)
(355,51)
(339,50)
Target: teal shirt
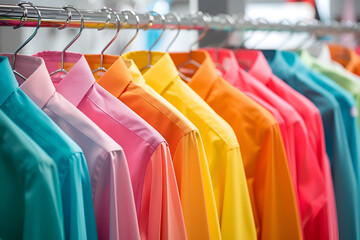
(30,202)
(349,99)
(78,210)
(347,102)
(289,68)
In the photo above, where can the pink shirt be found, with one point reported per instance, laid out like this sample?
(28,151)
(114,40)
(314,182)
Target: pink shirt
(112,193)
(325,225)
(152,175)
(306,176)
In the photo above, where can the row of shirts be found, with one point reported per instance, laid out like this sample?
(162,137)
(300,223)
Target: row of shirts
(250,145)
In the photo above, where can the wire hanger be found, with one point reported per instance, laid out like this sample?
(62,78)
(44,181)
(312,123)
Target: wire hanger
(23,18)
(230,21)
(137,28)
(21,4)
(178,20)
(304,42)
(243,20)
(267,32)
(151,19)
(73,40)
(105,9)
(190,61)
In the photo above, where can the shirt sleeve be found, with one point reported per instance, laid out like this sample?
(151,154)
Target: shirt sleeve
(275,204)
(30,202)
(237,221)
(43,218)
(79,217)
(310,180)
(161,215)
(195,188)
(114,202)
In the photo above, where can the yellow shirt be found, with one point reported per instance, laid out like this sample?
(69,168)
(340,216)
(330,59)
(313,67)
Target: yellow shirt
(125,82)
(265,160)
(221,146)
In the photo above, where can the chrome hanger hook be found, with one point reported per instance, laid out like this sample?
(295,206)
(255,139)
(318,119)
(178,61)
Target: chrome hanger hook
(67,21)
(20,4)
(66,8)
(23,18)
(178,20)
(108,18)
(243,21)
(204,32)
(291,27)
(230,20)
(105,9)
(163,27)
(303,42)
(151,20)
(267,32)
(137,28)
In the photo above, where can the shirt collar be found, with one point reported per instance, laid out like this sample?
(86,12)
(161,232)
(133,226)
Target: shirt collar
(225,58)
(344,55)
(38,86)
(256,64)
(116,78)
(76,83)
(231,69)
(8,83)
(283,63)
(306,57)
(162,72)
(321,52)
(135,73)
(205,76)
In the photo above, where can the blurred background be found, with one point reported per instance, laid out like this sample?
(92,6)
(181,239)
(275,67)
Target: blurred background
(290,11)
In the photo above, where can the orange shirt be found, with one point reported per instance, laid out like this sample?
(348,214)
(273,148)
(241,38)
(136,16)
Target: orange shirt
(272,193)
(189,160)
(346,57)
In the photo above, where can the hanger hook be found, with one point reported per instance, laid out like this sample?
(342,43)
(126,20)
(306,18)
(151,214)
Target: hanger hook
(204,32)
(21,4)
(261,21)
(66,8)
(150,13)
(23,18)
(222,44)
(108,18)
(243,21)
(137,28)
(81,27)
(303,42)
(286,22)
(67,21)
(151,20)
(105,9)
(178,20)
(230,20)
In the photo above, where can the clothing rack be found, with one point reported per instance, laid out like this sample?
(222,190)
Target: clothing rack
(54,17)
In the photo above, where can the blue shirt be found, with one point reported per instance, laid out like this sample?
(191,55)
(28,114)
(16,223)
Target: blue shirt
(289,68)
(30,202)
(78,210)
